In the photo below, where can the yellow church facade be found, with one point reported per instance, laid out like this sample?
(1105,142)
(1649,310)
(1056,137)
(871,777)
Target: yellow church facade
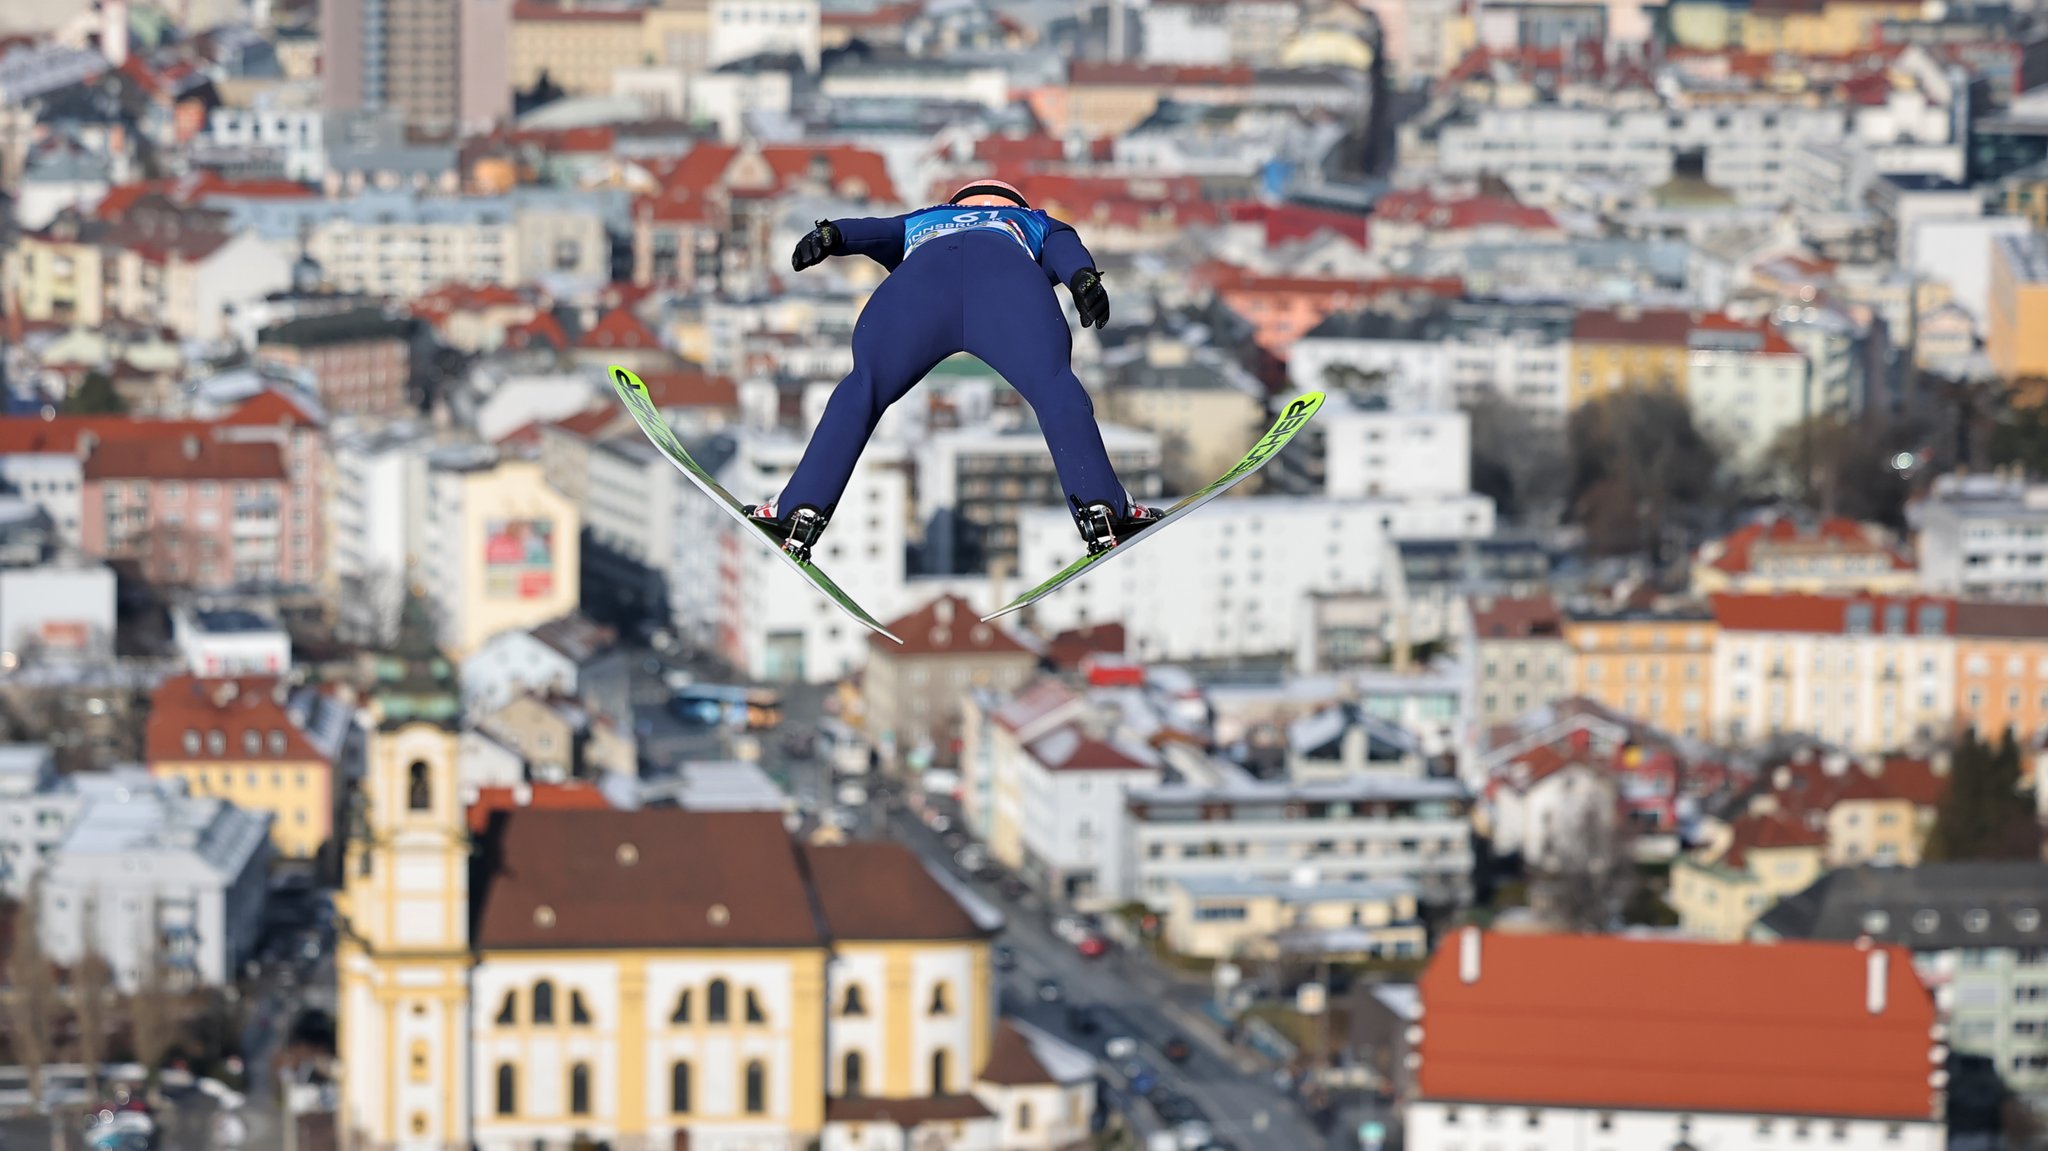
(662,979)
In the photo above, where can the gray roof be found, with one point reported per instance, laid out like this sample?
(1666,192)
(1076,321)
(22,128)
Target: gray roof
(1932,907)
(129,814)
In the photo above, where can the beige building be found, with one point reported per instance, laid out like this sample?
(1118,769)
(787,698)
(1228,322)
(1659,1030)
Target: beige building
(578,48)
(502,546)
(1521,658)
(1781,555)
(56,275)
(1863,672)
(559,737)
(440,62)
(913,691)
(1720,892)
(1204,410)
(1223,918)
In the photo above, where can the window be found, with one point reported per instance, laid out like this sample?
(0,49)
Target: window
(851,1075)
(416,1061)
(543,1002)
(757,1087)
(1606,1121)
(508,1089)
(679,1089)
(1893,1132)
(1838,1131)
(509,1013)
(714,1002)
(419,794)
(939,1060)
(1533,1120)
(682,1012)
(852,1006)
(753,1007)
(1763,1128)
(252,742)
(577,1012)
(579,1089)
(1024,1116)
(940,997)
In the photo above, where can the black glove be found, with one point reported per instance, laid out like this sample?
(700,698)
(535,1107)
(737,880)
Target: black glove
(815,246)
(1089,298)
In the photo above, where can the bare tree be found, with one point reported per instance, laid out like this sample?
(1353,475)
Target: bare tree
(1590,873)
(91,980)
(32,993)
(152,1022)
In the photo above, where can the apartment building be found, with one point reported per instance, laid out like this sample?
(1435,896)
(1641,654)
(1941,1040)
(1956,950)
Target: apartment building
(1866,672)
(913,692)
(249,741)
(1983,536)
(2001,668)
(1519,657)
(500,547)
(1779,554)
(1654,665)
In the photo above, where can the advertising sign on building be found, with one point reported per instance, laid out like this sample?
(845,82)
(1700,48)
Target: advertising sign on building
(519,558)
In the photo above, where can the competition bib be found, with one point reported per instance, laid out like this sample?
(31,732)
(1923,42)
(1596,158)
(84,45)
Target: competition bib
(1027,226)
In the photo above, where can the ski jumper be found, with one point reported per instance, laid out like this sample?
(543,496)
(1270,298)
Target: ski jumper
(975,280)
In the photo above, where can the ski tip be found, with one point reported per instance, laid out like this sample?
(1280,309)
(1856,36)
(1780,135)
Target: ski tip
(626,379)
(890,634)
(1000,613)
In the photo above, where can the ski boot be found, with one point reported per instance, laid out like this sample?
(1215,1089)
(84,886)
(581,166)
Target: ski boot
(1103,528)
(799,531)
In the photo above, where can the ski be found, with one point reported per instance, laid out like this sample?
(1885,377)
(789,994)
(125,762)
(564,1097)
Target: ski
(1292,420)
(633,393)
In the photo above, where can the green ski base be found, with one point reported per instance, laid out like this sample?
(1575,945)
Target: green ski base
(633,393)
(1292,420)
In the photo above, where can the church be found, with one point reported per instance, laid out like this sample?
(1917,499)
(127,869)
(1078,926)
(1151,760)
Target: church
(658,979)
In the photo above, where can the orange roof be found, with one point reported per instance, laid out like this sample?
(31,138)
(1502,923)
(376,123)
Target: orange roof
(1658,326)
(1658,1025)
(619,328)
(705,166)
(1735,552)
(1769,833)
(949,626)
(271,406)
(186,712)
(542,796)
(1455,214)
(588,422)
(1512,618)
(187,190)
(690,389)
(188,457)
(61,434)
(1823,614)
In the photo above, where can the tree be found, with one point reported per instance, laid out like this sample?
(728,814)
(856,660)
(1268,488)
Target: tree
(1984,814)
(32,994)
(95,396)
(152,1023)
(1519,464)
(1639,468)
(91,984)
(1589,876)
(1844,467)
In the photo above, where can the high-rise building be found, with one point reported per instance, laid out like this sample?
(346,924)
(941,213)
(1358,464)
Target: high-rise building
(443,63)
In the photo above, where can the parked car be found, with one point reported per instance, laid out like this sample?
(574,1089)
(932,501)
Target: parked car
(1120,1047)
(1049,991)
(852,795)
(1070,927)
(1092,947)
(1193,1135)
(1177,1049)
(971,858)
(1005,957)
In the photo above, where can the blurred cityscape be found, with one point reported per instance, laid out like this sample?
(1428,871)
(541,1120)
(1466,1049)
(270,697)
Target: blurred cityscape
(1617,723)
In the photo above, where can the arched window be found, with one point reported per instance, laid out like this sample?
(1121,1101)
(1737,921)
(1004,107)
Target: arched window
(853,1071)
(682,1011)
(1024,1116)
(577,1012)
(509,1013)
(508,1089)
(714,1002)
(852,1006)
(543,1002)
(753,1006)
(419,795)
(679,1089)
(757,1087)
(942,998)
(579,1089)
(939,1071)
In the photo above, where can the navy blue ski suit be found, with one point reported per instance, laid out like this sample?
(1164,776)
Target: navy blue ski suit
(961,279)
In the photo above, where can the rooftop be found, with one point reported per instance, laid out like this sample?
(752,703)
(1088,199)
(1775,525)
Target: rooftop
(1932,907)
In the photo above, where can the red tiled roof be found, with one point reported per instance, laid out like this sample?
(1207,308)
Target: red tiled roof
(270,407)
(905,1113)
(1512,618)
(1592,1021)
(539,796)
(1033,149)
(194,189)
(61,435)
(1037,701)
(704,167)
(1067,649)
(186,711)
(949,626)
(1821,614)
(542,329)
(619,328)
(690,389)
(1011,1062)
(1233,280)
(1070,749)
(192,456)
(1423,206)
(1769,833)
(1735,553)
(882,891)
(598,138)
(1285,222)
(1657,326)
